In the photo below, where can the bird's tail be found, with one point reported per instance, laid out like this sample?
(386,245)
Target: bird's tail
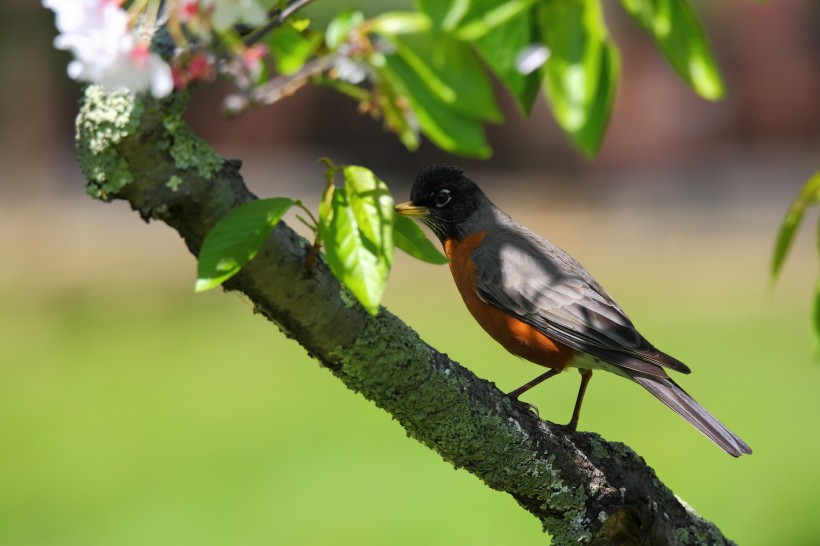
(668,392)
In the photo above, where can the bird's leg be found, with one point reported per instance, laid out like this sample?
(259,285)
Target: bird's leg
(586,375)
(527,386)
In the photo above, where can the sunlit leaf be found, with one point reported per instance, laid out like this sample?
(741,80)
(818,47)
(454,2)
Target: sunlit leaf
(236,239)
(675,27)
(291,48)
(446,128)
(347,255)
(410,238)
(400,22)
(484,16)
(450,69)
(809,195)
(372,207)
(500,49)
(582,71)
(445,14)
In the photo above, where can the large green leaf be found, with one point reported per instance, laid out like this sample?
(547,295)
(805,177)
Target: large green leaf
(347,254)
(236,239)
(483,16)
(372,207)
(409,237)
(445,14)
(582,70)
(675,27)
(471,19)
(500,49)
(809,195)
(446,128)
(450,69)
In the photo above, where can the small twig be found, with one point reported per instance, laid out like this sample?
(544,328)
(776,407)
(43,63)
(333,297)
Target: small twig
(284,86)
(354,91)
(273,90)
(317,241)
(277,20)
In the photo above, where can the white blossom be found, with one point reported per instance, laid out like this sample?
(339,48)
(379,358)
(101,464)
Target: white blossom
(106,50)
(346,69)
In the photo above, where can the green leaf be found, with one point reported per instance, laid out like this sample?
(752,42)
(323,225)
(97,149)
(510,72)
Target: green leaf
(675,27)
(471,19)
(809,195)
(450,69)
(445,127)
(400,22)
(582,71)
(500,49)
(444,14)
(341,25)
(347,255)
(236,239)
(291,48)
(486,15)
(409,237)
(372,207)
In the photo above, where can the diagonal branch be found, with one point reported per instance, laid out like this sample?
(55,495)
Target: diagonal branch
(582,488)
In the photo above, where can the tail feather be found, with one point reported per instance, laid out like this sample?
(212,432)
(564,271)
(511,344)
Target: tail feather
(668,392)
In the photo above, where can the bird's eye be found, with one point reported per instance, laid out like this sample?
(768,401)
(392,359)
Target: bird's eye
(443,197)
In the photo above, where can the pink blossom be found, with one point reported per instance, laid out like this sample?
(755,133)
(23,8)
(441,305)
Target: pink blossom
(188,10)
(252,59)
(191,68)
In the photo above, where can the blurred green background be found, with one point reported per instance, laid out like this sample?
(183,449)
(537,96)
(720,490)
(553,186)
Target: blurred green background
(134,412)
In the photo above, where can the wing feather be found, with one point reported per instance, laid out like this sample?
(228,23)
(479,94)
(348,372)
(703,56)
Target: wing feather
(543,286)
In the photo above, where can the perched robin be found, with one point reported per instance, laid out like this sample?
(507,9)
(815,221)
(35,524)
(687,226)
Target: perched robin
(541,304)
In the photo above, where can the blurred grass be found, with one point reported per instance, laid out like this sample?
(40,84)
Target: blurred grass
(139,413)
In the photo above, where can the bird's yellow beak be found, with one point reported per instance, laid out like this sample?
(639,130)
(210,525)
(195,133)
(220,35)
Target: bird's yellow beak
(409,209)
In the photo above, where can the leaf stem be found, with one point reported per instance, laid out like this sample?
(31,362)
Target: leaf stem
(317,240)
(314,227)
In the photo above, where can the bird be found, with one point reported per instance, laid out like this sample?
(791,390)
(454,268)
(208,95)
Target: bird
(541,304)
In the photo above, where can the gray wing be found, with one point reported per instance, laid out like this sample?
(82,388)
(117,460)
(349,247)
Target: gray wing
(543,286)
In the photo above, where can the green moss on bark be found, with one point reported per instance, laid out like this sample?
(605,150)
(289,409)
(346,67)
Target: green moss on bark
(186,149)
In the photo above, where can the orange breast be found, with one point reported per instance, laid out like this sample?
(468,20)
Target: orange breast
(516,336)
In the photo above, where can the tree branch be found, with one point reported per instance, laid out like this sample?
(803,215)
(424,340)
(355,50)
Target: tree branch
(582,488)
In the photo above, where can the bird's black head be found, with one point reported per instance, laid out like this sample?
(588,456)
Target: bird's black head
(445,200)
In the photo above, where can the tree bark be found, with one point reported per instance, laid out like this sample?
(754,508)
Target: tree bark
(582,488)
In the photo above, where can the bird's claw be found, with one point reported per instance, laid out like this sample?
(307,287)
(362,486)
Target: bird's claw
(530,407)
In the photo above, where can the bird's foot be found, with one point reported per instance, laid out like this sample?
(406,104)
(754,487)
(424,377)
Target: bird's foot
(572,426)
(530,407)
